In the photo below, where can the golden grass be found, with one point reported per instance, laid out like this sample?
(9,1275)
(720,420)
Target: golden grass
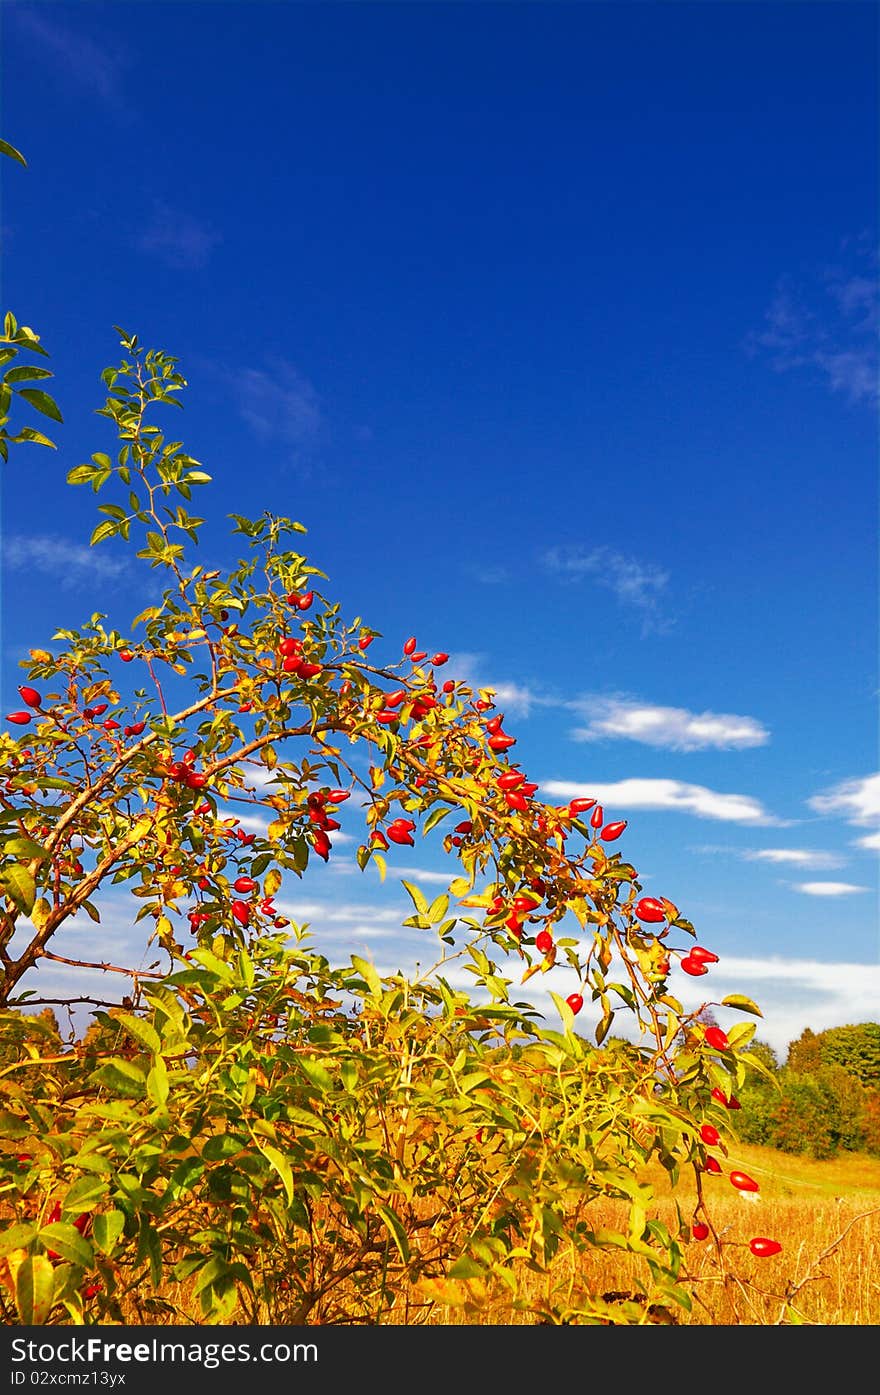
(825,1214)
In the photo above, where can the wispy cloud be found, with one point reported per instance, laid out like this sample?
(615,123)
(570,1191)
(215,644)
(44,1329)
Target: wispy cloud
(666,794)
(828,323)
(637,585)
(828,888)
(178,238)
(517,699)
(490,574)
(70,564)
(870,841)
(96,67)
(674,728)
(416,875)
(857,799)
(797,857)
(278,403)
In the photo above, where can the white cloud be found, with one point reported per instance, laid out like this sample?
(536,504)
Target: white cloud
(636,584)
(71,564)
(420,874)
(672,727)
(516,699)
(666,794)
(828,888)
(278,403)
(798,857)
(181,240)
(828,324)
(99,68)
(858,800)
(871,840)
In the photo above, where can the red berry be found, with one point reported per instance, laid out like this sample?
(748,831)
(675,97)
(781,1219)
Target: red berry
(305,600)
(715,1037)
(135,729)
(580,806)
(693,967)
(612,831)
(111,725)
(396,698)
(126,656)
(597,818)
(498,742)
(732,1103)
(244,884)
(575,1002)
(763,1248)
(544,942)
(448,686)
(289,646)
(410,645)
(650,909)
(495,724)
(511,781)
(464,827)
(365,641)
(710,1135)
(30,696)
(516,801)
(438,659)
(743,1182)
(19,719)
(712,1165)
(242,912)
(699,1231)
(702,956)
(399,831)
(378,837)
(524,904)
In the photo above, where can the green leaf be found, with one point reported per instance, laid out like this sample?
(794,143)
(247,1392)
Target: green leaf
(17,1237)
(316,1072)
(418,900)
(13,1125)
(20,887)
(84,1193)
(369,973)
(34,1290)
(739,1000)
(10,150)
(398,1233)
(281,1166)
(42,402)
(140,1030)
(466,1268)
(107,1226)
(434,818)
(67,1241)
(25,847)
(27,433)
(107,529)
(27,372)
(157,1083)
(121,1077)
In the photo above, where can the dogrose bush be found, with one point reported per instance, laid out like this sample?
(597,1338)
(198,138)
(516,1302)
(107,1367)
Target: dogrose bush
(249,1131)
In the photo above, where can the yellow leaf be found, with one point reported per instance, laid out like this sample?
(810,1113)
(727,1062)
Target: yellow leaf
(40,913)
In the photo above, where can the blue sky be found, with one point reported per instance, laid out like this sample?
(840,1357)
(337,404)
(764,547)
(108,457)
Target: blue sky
(556,326)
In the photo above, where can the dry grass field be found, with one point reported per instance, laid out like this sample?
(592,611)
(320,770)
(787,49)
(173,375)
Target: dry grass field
(826,1216)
